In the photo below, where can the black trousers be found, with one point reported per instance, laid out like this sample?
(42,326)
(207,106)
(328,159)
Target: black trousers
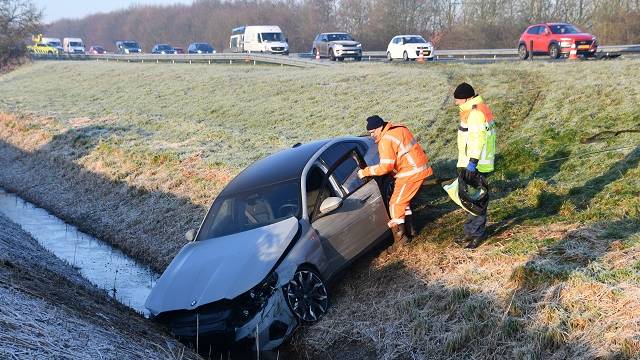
(475,226)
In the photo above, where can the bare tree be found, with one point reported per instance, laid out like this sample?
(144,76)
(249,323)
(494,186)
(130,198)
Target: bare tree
(19,20)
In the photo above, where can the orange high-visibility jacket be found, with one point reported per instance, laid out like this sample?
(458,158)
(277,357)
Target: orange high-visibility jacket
(400,153)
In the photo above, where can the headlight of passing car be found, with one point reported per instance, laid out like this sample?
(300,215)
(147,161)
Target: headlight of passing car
(251,302)
(565,44)
(359,45)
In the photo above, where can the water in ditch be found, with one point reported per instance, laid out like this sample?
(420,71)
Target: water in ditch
(106,267)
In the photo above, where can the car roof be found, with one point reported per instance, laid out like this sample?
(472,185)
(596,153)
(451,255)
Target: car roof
(334,33)
(407,35)
(284,165)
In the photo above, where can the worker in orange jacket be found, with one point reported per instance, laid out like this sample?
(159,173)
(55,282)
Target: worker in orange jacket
(401,154)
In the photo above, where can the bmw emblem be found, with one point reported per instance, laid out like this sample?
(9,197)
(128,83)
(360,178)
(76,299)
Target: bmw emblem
(193,302)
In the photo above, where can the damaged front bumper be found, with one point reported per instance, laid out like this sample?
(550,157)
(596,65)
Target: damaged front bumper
(221,324)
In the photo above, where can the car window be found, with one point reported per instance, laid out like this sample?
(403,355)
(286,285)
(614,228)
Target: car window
(564,29)
(318,189)
(324,38)
(255,208)
(346,174)
(533,30)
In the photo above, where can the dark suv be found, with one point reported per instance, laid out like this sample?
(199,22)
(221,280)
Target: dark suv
(201,48)
(555,39)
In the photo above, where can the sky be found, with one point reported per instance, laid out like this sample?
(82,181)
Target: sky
(73,9)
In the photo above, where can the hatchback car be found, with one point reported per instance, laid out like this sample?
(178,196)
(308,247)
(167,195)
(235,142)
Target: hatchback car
(163,49)
(555,40)
(200,48)
(96,50)
(337,45)
(408,47)
(272,240)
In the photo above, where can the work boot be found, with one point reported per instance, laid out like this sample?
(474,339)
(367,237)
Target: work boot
(399,237)
(476,242)
(461,240)
(408,225)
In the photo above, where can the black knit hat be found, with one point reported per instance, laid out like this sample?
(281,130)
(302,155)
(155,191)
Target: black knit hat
(374,122)
(464,91)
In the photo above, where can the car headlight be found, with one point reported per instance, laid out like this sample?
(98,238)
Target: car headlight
(359,45)
(251,302)
(565,44)
(126,51)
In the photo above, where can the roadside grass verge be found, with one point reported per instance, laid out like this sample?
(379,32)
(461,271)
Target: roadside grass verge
(138,163)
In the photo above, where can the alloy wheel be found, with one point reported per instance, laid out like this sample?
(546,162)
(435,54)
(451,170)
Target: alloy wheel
(307,296)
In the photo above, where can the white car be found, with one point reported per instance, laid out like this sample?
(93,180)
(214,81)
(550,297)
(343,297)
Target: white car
(408,47)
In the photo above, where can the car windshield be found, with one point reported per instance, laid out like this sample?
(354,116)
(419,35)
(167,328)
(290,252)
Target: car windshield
(130,44)
(271,36)
(339,37)
(204,47)
(73,43)
(54,43)
(564,29)
(413,40)
(260,207)
(99,48)
(164,47)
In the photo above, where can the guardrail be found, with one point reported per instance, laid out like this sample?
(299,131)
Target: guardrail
(306,60)
(230,58)
(209,58)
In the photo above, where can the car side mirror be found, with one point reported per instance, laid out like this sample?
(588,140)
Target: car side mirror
(330,204)
(190,235)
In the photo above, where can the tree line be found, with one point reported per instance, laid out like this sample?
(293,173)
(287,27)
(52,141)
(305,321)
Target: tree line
(450,24)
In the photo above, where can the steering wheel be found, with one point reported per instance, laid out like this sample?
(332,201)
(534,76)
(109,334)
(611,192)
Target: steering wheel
(287,209)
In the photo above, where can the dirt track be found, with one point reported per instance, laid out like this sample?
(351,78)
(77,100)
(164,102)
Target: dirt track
(50,311)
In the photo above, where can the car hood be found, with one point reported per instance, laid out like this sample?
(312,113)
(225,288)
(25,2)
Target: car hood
(220,268)
(346,42)
(579,36)
(277,43)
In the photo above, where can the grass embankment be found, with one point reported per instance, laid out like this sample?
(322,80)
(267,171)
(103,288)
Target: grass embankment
(135,153)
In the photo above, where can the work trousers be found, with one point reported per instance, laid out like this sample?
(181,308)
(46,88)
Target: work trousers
(399,204)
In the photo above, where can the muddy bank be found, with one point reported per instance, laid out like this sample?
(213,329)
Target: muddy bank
(50,311)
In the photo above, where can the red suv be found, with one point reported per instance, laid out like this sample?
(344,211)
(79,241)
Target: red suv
(555,39)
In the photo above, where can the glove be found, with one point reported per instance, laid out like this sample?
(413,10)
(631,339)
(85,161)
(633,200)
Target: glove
(471,167)
(360,174)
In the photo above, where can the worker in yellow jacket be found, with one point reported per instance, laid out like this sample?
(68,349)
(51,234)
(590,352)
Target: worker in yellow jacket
(476,151)
(401,154)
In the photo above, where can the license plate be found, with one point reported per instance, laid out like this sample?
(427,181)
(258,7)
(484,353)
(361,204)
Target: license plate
(584,47)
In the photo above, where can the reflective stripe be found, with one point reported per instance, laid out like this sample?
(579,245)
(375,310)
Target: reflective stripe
(392,138)
(387,161)
(412,172)
(400,195)
(407,148)
(395,222)
(408,212)
(372,169)
(485,162)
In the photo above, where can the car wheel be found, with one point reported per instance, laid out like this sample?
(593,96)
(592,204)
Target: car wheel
(340,59)
(554,51)
(50,53)
(332,56)
(307,296)
(405,56)
(389,56)
(522,52)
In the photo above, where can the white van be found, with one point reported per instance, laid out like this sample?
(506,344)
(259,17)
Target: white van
(262,38)
(73,46)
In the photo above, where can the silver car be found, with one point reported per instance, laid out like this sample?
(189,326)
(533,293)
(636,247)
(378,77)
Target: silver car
(337,45)
(271,242)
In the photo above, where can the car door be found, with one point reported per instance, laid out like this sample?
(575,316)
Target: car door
(324,44)
(541,42)
(362,218)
